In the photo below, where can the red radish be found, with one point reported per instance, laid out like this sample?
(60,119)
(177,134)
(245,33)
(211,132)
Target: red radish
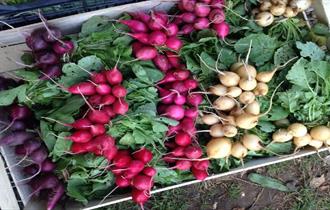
(199,174)
(142,16)
(121,160)
(174,43)
(181,74)
(98,78)
(188,17)
(107,100)
(142,182)
(201,165)
(171,145)
(114,76)
(222,29)
(173,130)
(190,84)
(201,24)
(175,112)
(141,37)
(15,138)
(183,139)
(18,112)
(157,38)
(122,182)
(103,89)
(188,5)
(120,107)
(149,171)
(178,152)
(104,142)
(161,14)
(191,113)
(110,153)
(179,99)
(146,53)
(188,125)
(217,3)
(117,171)
(109,111)
(80,136)
(129,175)
(139,197)
(85,88)
(95,100)
(217,16)
(136,46)
(98,116)
(169,159)
(205,1)
(63,48)
(97,129)
(187,29)
(144,155)
(182,165)
(194,99)
(172,29)
(135,25)
(81,124)
(135,166)
(174,59)
(179,87)
(119,91)
(193,152)
(157,22)
(161,62)
(202,10)
(169,77)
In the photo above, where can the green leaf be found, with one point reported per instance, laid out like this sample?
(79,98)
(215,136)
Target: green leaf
(91,63)
(268,182)
(94,24)
(300,75)
(311,50)
(149,108)
(27,75)
(75,189)
(139,137)
(127,139)
(279,148)
(159,127)
(168,121)
(266,126)
(7,97)
(283,54)
(71,106)
(146,74)
(46,135)
(167,176)
(62,146)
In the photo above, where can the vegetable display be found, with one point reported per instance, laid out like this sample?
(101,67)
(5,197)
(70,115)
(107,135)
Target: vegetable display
(154,99)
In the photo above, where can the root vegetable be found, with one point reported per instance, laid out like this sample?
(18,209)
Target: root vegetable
(216,130)
(298,130)
(210,119)
(183,139)
(235,66)
(234,92)
(247,121)
(202,10)
(301,5)
(218,90)
(201,165)
(229,130)
(302,141)
(229,78)
(277,10)
(317,144)
(247,97)
(251,142)
(201,23)
(320,132)
(199,174)
(253,108)
(218,148)
(247,84)
(281,136)
(224,103)
(246,71)
(144,155)
(261,89)
(222,29)
(238,150)
(193,152)
(142,182)
(264,19)
(265,6)
(282,123)
(265,76)
(290,12)
(236,111)
(175,112)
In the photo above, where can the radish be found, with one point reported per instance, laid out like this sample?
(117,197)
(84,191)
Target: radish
(179,86)
(50,35)
(218,148)
(120,107)
(97,116)
(103,89)
(217,3)
(122,182)
(139,197)
(140,16)
(191,113)
(171,29)
(39,156)
(114,76)
(48,166)
(222,29)
(217,16)
(188,125)
(18,112)
(161,62)
(141,37)
(149,171)
(169,159)
(47,58)
(298,130)
(63,47)
(56,195)
(201,23)
(169,77)
(194,99)
(109,111)
(199,174)
(174,59)
(36,43)
(97,129)
(181,74)
(85,88)
(179,99)
(136,46)
(193,152)
(320,132)
(190,84)
(188,17)
(201,165)
(15,138)
(178,152)
(108,100)
(48,181)
(183,139)
(158,21)
(174,43)
(182,165)
(146,53)
(202,10)
(142,182)
(81,124)
(188,5)
(135,166)
(52,71)
(135,25)
(18,126)
(121,160)
(187,29)
(175,112)
(80,136)
(144,155)
(157,38)
(167,97)
(95,100)
(119,91)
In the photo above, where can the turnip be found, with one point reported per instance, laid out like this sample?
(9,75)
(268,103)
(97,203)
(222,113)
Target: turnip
(229,79)
(302,141)
(229,120)
(224,103)
(183,139)
(238,151)
(174,43)
(175,112)
(282,123)
(135,25)
(236,111)
(199,174)
(301,5)
(218,90)
(193,152)
(297,130)
(229,130)
(320,132)
(222,29)
(265,6)
(234,92)
(201,23)
(218,148)
(210,119)
(277,10)
(253,108)
(144,155)
(202,10)
(290,12)
(251,142)
(234,67)
(247,97)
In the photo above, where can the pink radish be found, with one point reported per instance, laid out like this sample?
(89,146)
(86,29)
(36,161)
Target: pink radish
(188,5)
(199,174)
(103,89)
(175,112)
(194,99)
(149,171)
(95,100)
(174,43)
(183,139)
(108,99)
(135,25)
(172,29)
(181,74)
(190,84)
(146,53)
(205,1)
(201,165)
(201,23)
(173,130)
(178,152)
(144,155)
(157,38)
(157,22)
(139,196)
(162,62)
(191,113)
(179,87)
(98,116)
(120,106)
(188,17)
(182,165)
(174,59)
(179,99)
(187,29)
(171,145)
(98,78)
(188,125)
(222,29)
(63,48)
(217,3)
(142,182)
(97,129)
(85,88)
(167,97)
(217,16)
(169,77)
(81,124)
(202,10)
(122,182)
(193,152)
(114,76)
(119,91)
(141,37)
(142,16)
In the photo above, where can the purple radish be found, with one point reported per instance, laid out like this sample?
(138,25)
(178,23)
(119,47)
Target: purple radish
(48,166)
(31,169)
(18,112)
(39,155)
(53,71)
(48,181)
(36,43)
(47,58)
(188,5)
(63,48)
(55,34)
(15,138)
(18,125)
(57,194)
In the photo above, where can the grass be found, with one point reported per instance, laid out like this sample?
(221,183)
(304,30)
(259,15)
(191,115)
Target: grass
(234,191)
(309,199)
(275,169)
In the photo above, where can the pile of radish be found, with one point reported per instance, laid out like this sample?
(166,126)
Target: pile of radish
(48,49)
(31,149)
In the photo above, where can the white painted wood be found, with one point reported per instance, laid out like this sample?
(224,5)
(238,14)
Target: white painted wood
(8,199)
(322,10)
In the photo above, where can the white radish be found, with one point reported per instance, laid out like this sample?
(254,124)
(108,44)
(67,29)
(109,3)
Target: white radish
(224,103)
(247,97)
(264,19)
(229,130)
(210,119)
(216,130)
(236,111)
(277,10)
(251,142)
(290,12)
(235,66)
(297,130)
(234,92)
(218,148)
(282,135)
(261,89)
(246,71)
(229,79)
(320,132)
(302,141)
(229,120)
(247,84)
(253,108)
(317,144)
(238,151)
(218,90)
(265,6)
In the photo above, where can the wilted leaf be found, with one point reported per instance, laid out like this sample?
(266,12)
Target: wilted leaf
(268,182)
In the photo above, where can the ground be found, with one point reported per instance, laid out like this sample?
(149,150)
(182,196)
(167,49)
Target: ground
(308,180)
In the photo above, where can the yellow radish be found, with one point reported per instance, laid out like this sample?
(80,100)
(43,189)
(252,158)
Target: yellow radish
(251,142)
(236,111)
(229,120)
(247,97)
(264,19)
(297,130)
(302,141)
(320,132)
(281,136)
(277,10)
(253,108)
(218,148)
(210,119)
(229,79)
(247,84)
(234,92)
(290,12)
(216,130)
(224,103)
(317,144)
(238,151)
(265,6)
(282,123)
(229,130)
(246,71)
(235,66)
(218,90)
(261,89)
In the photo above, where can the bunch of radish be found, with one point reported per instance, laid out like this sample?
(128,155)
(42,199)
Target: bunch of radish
(27,144)
(131,170)
(48,49)
(199,15)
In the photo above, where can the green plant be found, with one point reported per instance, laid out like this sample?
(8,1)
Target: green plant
(234,191)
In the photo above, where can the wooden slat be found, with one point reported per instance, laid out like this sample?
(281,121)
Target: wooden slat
(322,10)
